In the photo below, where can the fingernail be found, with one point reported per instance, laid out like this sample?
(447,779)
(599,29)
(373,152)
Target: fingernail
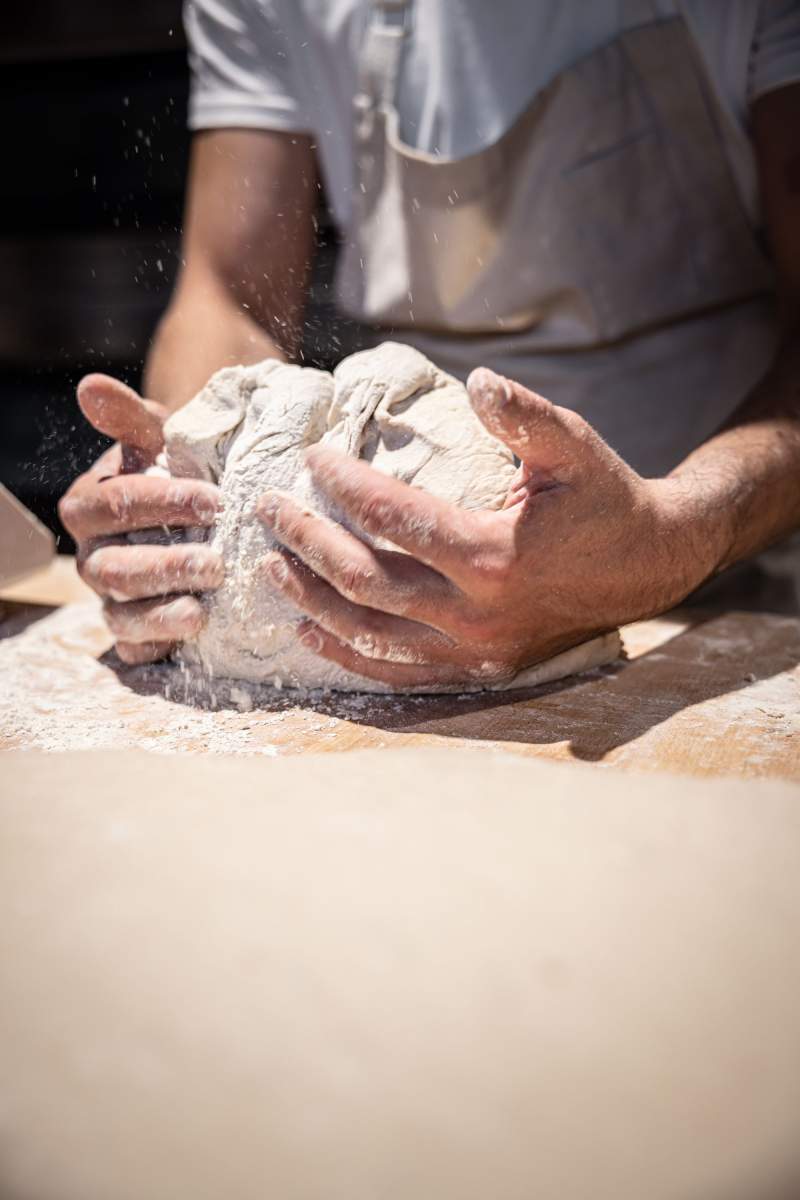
(312,640)
(182,607)
(483,382)
(278,571)
(187,612)
(207,512)
(268,507)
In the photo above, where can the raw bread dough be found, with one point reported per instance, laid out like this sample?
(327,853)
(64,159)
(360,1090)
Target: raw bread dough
(247,431)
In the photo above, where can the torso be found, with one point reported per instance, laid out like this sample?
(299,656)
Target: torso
(468,73)
(470,67)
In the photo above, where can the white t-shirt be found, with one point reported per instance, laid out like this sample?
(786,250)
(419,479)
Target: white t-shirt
(469,68)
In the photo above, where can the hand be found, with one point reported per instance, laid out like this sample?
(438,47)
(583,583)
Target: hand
(582,545)
(147,588)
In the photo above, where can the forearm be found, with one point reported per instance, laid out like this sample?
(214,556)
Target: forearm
(203,330)
(740,490)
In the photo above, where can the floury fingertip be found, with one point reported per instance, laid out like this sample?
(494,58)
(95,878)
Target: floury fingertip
(311,638)
(267,507)
(482,380)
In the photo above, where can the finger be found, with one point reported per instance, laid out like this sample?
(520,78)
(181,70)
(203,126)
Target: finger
(399,677)
(391,582)
(137,572)
(371,633)
(551,440)
(130,502)
(135,653)
(520,486)
(172,619)
(434,532)
(118,411)
(107,465)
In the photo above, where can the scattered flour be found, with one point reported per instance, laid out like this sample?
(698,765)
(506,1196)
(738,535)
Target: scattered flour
(63,689)
(57,695)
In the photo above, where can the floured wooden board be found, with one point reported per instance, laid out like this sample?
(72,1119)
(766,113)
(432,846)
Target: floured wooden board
(701,694)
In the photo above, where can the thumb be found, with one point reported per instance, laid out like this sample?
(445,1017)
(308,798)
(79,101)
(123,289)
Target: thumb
(118,411)
(541,434)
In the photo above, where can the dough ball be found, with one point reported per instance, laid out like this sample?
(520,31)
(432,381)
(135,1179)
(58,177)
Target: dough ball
(247,430)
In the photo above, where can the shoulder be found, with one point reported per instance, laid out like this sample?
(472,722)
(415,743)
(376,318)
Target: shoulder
(242,59)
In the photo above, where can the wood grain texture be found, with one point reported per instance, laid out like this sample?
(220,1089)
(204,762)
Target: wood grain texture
(702,694)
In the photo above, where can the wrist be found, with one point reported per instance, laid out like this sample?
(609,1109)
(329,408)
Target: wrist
(692,529)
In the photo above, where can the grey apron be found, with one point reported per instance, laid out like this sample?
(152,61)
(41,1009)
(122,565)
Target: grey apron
(598,251)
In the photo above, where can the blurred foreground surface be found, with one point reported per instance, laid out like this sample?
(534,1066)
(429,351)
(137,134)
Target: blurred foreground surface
(422,974)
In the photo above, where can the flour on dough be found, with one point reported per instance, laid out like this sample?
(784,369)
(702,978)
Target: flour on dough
(247,431)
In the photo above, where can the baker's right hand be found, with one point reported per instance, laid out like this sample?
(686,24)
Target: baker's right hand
(147,590)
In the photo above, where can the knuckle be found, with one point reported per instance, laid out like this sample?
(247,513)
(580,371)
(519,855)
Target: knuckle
(189,567)
(116,618)
(480,627)
(70,508)
(186,613)
(373,514)
(494,572)
(83,567)
(179,495)
(128,653)
(471,627)
(495,564)
(215,569)
(118,496)
(119,573)
(369,638)
(98,570)
(202,502)
(139,653)
(197,573)
(413,608)
(355,581)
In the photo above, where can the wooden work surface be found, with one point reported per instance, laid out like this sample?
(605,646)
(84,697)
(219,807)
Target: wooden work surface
(702,693)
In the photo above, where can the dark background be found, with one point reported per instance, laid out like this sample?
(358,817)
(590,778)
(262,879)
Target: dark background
(93,97)
(93,100)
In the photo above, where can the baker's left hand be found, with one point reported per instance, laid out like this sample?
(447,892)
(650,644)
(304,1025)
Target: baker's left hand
(582,545)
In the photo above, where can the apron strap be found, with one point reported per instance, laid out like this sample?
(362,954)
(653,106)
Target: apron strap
(388,25)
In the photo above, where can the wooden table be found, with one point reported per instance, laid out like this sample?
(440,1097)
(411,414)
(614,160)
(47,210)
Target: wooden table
(702,693)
